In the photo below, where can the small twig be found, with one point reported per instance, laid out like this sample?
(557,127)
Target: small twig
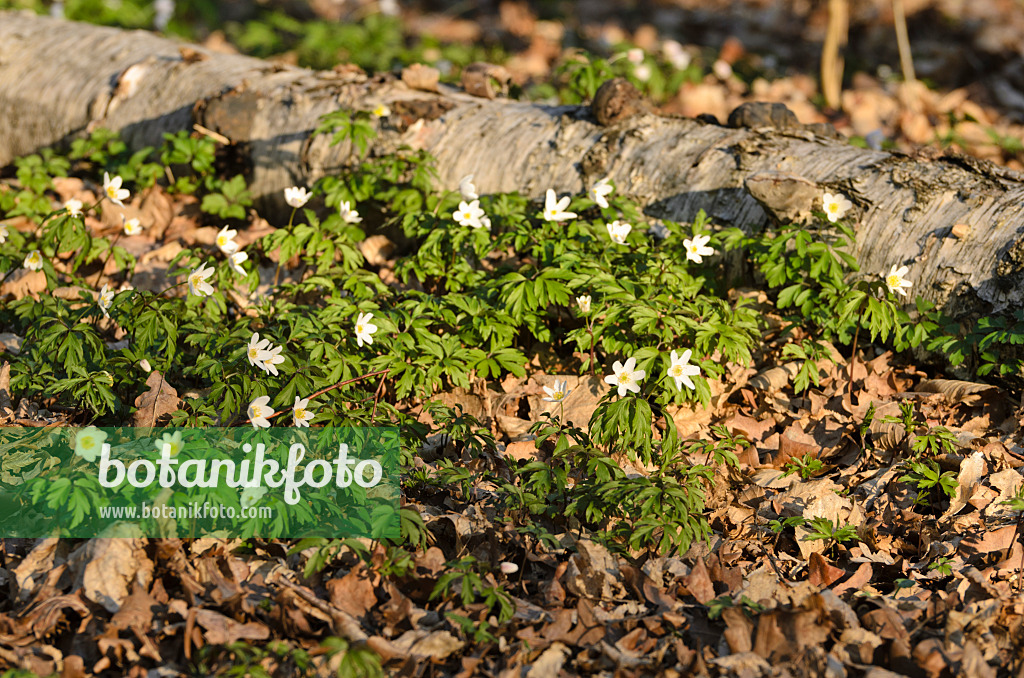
(853,359)
(110,253)
(377,395)
(334,386)
(902,41)
(220,138)
(831,61)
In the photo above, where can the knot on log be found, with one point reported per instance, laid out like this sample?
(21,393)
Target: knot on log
(617,100)
(761,114)
(486,80)
(788,198)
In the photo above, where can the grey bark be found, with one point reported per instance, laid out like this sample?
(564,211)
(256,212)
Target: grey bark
(58,80)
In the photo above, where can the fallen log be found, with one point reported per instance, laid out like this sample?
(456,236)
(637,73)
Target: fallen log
(59,80)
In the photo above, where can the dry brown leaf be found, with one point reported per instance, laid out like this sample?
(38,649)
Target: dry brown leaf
(739,629)
(549,663)
(821,572)
(698,582)
(859,578)
(156,213)
(24,283)
(577,407)
(524,450)
(221,630)
(156,403)
(353,593)
(377,249)
(33,569)
(486,80)
(6,408)
(107,568)
(989,541)
(426,645)
(593,572)
(421,77)
(972,470)
(774,378)
(956,391)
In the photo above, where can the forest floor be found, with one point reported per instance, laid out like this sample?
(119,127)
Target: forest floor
(864,523)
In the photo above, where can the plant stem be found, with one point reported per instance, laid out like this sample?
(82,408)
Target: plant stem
(853,358)
(339,385)
(110,253)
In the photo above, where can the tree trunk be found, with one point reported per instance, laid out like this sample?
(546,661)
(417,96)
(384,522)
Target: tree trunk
(59,80)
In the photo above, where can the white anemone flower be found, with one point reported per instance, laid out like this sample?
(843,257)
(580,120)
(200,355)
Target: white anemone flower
(271,359)
(895,280)
(106,299)
(34,261)
(89,443)
(226,240)
(3,234)
(681,370)
(112,187)
(697,248)
(618,230)
(296,196)
(131,226)
(256,351)
(236,260)
(171,441)
(626,378)
(197,281)
(467,188)
(599,191)
(364,329)
(556,393)
(583,303)
(835,206)
(301,413)
(554,209)
(348,214)
(469,214)
(74,207)
(259,410)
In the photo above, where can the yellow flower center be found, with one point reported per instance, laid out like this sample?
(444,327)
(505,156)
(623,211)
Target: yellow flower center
(893,281)
(196,279)
(222,240)
(257,411)
(111,192)
(88,442)
(833,207)
(557,395)
(359,329)
(300,413)
(624,378)
(676,370)
(252,352)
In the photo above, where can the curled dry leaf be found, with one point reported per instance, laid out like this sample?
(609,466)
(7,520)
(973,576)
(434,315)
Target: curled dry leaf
(486,80)
(421,77)
(108,568)
(956,391)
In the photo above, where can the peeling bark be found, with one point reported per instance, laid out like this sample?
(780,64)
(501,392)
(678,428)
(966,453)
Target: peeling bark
(58,80)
